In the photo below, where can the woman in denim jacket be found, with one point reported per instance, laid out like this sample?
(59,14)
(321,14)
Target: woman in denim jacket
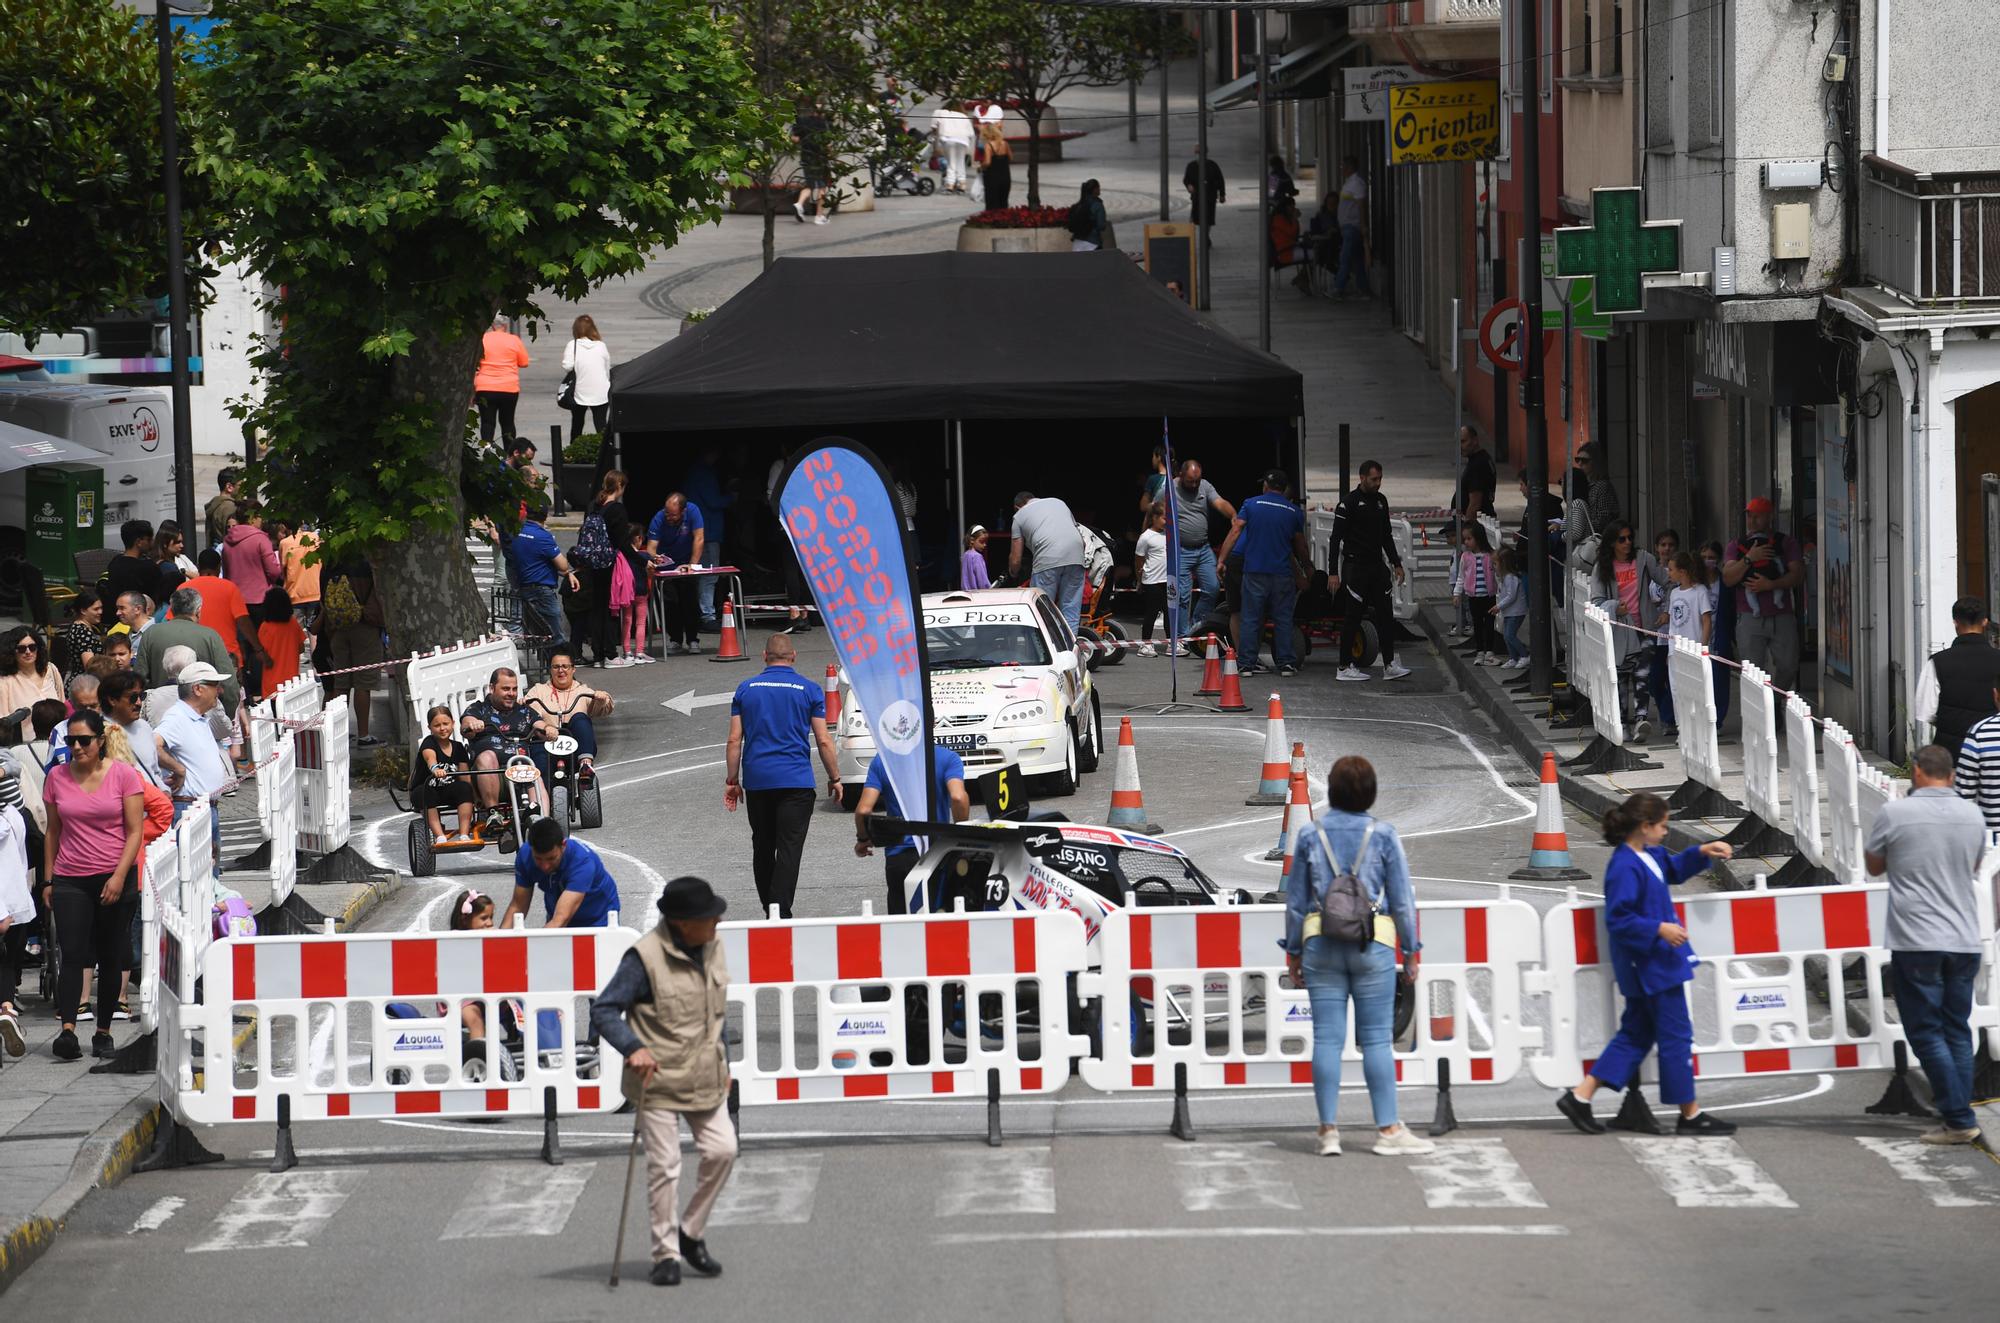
(1335,972)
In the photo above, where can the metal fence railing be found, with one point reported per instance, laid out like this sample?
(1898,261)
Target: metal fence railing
(1931,238)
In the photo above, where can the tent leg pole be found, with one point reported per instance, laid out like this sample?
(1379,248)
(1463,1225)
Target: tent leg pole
(958,473)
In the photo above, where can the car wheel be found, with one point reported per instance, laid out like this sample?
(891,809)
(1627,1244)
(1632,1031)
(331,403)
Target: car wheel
(1064,782)
(1113,632)
(1089,759)
(1302,646)
(423,859)
(1365,645)
(590,803)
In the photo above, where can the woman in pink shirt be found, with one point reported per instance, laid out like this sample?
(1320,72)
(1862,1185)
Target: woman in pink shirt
(96,811)
(497,384)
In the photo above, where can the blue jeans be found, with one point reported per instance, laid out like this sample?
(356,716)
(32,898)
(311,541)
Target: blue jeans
(1353,257)
(1662,688)
(1662,1019)
(1510,629)
(1198,573)
(542,613)
(1334,973)
(578,727)
(1934,1001)
(711,550)
(1280,593)
(1064,583)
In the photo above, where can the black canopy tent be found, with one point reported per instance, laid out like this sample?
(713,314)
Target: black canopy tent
(972,374)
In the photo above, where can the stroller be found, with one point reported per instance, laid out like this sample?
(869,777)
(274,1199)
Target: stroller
(893,174)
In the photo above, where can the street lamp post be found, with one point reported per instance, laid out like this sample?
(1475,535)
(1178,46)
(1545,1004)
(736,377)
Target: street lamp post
(177,300)
(1535,455)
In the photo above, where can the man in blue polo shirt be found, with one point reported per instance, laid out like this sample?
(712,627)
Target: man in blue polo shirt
(676,533)
(1273,533)
(539,565)
(576,890)
(948,775)
(776,719)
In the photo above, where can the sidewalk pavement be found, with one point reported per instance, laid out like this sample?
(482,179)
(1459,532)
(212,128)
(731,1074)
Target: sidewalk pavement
(64,1129)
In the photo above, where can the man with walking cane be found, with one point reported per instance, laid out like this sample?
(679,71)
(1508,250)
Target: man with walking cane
(663,1010)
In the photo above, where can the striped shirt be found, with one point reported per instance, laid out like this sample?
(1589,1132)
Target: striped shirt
(1978,776)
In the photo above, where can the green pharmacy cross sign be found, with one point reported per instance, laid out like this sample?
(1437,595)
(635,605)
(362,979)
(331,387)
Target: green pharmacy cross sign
(1616,248)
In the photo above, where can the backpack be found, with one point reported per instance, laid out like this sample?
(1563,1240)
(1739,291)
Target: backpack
(593,543)
(1080,222)
(339,608)
(1346,911)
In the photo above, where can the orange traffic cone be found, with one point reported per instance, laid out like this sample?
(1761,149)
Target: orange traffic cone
(1128,801)
(832,696)
(1232,686)
(1211,671)
(1548,853)
(1271,785)
(732,648)
(1297,814)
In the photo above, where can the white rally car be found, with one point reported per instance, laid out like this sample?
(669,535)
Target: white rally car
(1008,685)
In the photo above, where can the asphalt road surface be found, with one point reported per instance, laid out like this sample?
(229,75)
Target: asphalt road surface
(1090,1210)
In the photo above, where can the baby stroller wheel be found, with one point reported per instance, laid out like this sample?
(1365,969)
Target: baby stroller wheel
(926,186)
(1113,632)
(1093,654)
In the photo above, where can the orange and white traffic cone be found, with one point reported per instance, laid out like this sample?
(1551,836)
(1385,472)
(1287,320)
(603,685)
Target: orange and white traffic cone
(1211,670)
(1548,853)
(731,649)
(1128,801)
(832,696)
(1297,814)
(1231,690)
(1277,773)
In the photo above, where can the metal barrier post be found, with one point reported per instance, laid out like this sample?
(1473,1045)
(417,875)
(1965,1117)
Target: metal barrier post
(993,1109)
(1183,1126)
(551,1135)
(1898,1099)
(1446,1119)
(283,1156)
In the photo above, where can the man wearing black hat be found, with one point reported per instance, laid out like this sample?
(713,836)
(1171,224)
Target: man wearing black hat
(663,1011)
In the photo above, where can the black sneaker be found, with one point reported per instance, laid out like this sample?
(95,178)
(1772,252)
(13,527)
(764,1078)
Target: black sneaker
(102,1047)
(1579,1114)
(1702,1124)
(66,1048)
(667,1272)
(697,1256)
(1288,670)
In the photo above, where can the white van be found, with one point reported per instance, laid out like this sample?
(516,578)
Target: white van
(130,426)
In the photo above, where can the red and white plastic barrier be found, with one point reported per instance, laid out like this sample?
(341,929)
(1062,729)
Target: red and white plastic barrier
(1843,804)
(1594,670)
(1758,703)
(1803,773)
(1692,679)
(1203,995)
(825,1014)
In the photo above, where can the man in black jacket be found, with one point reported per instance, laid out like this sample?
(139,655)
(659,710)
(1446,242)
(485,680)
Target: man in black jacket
(1956,688)
(1361,556)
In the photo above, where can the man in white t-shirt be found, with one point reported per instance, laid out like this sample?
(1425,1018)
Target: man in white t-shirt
(1352,216)
(954,131)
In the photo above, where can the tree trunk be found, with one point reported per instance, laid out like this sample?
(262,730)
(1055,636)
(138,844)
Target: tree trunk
(429,598)
(1031,111)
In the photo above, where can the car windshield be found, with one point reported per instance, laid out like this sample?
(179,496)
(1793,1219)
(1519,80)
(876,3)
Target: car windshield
(1163,879)
(960,645)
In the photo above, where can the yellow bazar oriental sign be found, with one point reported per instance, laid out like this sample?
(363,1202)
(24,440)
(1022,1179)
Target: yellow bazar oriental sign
(1444,121)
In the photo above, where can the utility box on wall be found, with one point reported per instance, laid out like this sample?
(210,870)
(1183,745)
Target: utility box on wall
(1791,231)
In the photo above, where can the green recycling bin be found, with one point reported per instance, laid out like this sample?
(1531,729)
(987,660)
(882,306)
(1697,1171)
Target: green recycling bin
(65,508)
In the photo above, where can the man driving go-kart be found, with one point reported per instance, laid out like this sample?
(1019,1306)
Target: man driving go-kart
(498,727)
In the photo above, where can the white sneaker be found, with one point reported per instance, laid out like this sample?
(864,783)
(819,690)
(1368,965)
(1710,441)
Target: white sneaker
(1393,671)
(1944,1134)
(819,220)
(643,658)
(1401,1143)
(1148,650)
(1641,730)
(1457,632)
(692,649)
(1329,1143)
(1181,650)
(799,210)
(1352,672)
(619,663)
(10,1035)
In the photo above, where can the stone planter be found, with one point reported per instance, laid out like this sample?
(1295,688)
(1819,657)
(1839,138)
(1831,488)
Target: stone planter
(578,483)
(989,239)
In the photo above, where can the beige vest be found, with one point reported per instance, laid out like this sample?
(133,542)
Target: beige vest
(681,1026)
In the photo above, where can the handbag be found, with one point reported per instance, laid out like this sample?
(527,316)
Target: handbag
(566,392)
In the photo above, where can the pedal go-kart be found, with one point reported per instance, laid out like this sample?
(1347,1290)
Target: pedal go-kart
(519,808)
(574,797)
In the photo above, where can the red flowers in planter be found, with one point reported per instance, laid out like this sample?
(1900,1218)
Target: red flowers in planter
(1021,218)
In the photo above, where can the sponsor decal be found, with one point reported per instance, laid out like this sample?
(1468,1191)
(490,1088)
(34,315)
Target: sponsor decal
(900,726)
(1043,890)
(984,615)
(146,426)
(1764,1001)
(1301,1014)
(418,1040)
(963,742)
(863,1026)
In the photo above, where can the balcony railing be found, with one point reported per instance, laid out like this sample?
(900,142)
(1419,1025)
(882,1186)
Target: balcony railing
(1931,238)
(1467,11)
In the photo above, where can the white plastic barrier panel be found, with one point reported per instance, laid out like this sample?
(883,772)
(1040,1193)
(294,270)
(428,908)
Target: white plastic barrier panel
(1872,790)
(1843,804)
(1802,747)
(368,1025)
(905,1006)
(1759,706)
(1403,592)
(283,833)
(1319,528)
(1495,538)
(324,792)
(185,905)
(1692,679)
(1206,989)
(454,677)
(264,729)
(1594,668)
(1789,981)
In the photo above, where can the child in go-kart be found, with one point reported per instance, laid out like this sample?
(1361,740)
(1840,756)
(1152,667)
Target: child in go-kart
(442,777)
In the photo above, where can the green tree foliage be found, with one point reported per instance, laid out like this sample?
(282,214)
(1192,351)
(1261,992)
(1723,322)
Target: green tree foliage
(402,171)
(82,206)
(1017,50)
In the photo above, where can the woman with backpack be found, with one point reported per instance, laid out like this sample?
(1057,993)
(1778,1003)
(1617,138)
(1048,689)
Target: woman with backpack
(1348,911)
(605,529)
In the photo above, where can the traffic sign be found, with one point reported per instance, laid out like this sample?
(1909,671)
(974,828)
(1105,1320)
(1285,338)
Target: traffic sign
(1500,335)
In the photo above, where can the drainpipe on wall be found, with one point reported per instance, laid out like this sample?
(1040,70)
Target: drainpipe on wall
(1882,13)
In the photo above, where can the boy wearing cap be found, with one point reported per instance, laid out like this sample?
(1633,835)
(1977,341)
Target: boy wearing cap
(1766,569)
(663,1010)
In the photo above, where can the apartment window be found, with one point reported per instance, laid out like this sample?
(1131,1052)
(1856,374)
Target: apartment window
(1615,57)
(1549,44)
(1656,44)
(1582,38)
(1705,75)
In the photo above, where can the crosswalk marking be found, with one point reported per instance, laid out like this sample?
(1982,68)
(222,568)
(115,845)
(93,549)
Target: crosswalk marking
(1949,1177)
(519,1201)
(1475,1173)
(990,1182)
(1708,1173)
(1226,1177)
(283,1210)
(768,1189)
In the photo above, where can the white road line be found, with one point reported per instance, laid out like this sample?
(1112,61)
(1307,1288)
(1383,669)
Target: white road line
(997,1182)
(1245,1233)
(769,1189)
(1475,1173)
(1707,1173)
(284,1210)
(519,1201)
(1945,1175)
(1512,886)
(1226,1177)
(156,1216)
